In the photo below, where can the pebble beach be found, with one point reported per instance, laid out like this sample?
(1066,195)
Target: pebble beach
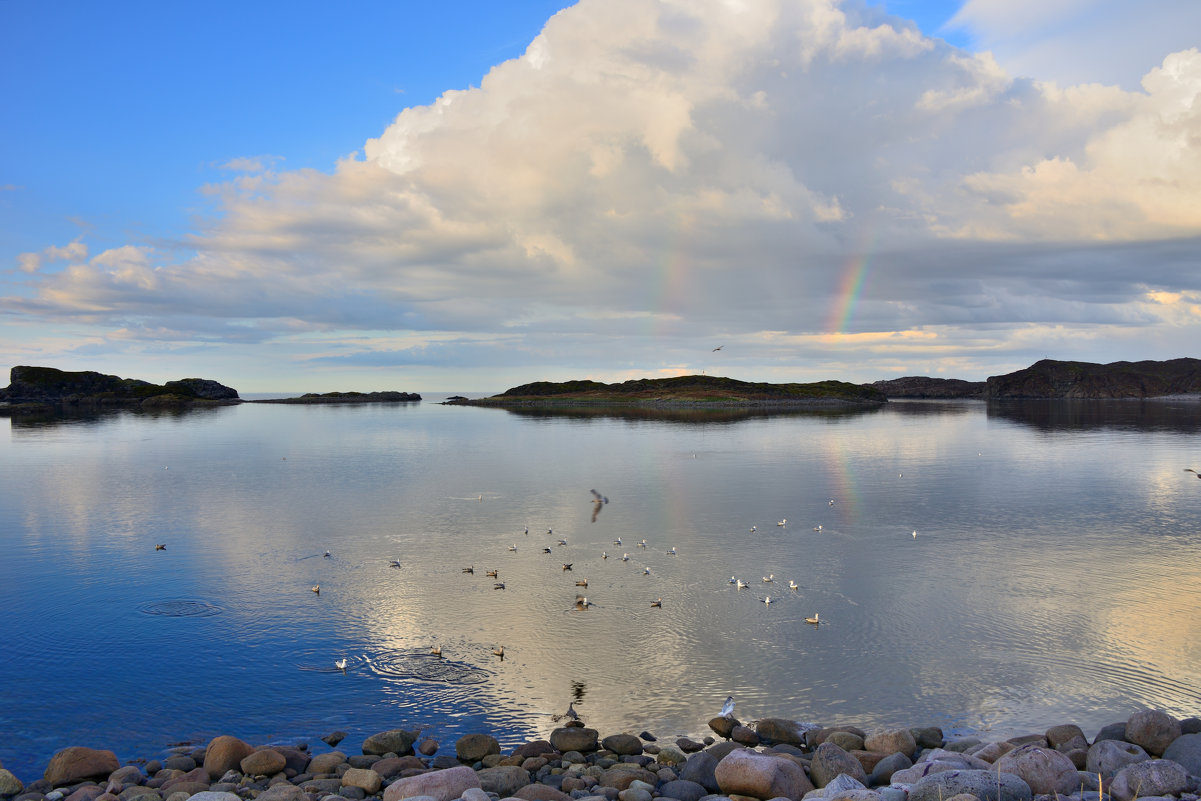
(1151,755)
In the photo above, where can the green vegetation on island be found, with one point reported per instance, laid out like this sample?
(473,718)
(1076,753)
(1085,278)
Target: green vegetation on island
(693,390)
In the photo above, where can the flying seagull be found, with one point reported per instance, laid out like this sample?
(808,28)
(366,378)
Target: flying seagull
(719,347)
(727,709)
(1191,470)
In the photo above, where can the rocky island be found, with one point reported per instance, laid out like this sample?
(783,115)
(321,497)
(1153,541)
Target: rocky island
(37,390)
(689,390)
(310,398)
(1055,379)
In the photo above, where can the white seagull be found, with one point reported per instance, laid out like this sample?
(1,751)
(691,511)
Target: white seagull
(814,620)
(727,709)
(341,664)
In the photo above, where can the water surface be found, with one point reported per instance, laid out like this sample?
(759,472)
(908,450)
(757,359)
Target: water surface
(1054,576)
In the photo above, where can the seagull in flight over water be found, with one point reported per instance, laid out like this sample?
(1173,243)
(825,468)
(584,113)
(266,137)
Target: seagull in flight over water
(1191,470)
(719,347)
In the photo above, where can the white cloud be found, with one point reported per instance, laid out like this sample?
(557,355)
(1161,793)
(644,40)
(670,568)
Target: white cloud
(654,172)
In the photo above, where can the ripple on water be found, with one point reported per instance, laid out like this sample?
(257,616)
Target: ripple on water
(180,607)
(407,664)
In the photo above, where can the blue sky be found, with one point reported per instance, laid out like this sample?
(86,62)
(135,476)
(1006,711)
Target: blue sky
(828,189)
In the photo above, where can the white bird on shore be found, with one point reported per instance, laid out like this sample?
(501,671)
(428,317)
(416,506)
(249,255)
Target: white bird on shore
(814,620)
(727,709)
(341,664)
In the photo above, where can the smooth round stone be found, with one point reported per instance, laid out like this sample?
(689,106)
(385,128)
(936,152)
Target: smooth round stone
(1153,729)
(846,740)
(474,747)
(74,764)
(622,744)
(570,738)
(394,741)
(184,763)
(266,762)
(326,763)
(635,794)
(1045,770)
(9,784)
(225,753)
(428,747)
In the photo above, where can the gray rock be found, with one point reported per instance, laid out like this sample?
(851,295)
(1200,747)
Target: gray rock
(700,769)
(829,761)
(1153,777)
(882,772)
(781,730)
(636,794)
(928,737)
(1045,770)
(326,763)
(393,741)
(333,738)
(213,795)
(365,779)
(179,762)
(1107,757)
(1153,729)
(986,785)
(842,783)
(962,744)
(1114,731)
(683,790)
(1185,751)
(846,740)
(622,744)
(1066,737)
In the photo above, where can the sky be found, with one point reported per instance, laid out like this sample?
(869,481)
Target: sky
(468,195)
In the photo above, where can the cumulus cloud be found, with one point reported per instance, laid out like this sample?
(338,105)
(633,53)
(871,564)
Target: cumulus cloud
(655,172)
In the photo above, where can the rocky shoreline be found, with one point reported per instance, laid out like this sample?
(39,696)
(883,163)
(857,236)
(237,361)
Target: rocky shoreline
(1151,755)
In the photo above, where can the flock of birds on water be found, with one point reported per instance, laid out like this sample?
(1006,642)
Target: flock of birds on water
(581,601)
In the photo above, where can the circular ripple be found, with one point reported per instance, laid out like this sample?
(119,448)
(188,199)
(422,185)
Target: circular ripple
(425,667)
(180,607)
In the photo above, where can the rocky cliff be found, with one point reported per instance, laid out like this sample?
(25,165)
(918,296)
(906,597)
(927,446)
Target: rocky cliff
(1054,379)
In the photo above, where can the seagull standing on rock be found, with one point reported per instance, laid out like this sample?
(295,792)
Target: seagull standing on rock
(727,709)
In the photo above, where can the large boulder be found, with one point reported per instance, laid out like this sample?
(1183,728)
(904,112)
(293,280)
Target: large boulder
(1150,778)
(1107,757)
(622,744)
(264,762)
(780,730)
(573,738)
(441,785)
(504,780)
(830,761)
(10,785)
(1066,737)
(1046,771)
(760,776)
(886,767)
(683,790)
(986,785)
(225,753)
(393,741)
(892,741)
(1153,729)
(326,763)
(77,763)
(701,768)
(1185,751)
(474,747)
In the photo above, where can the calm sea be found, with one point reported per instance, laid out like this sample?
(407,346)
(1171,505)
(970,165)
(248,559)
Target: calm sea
(1055,575)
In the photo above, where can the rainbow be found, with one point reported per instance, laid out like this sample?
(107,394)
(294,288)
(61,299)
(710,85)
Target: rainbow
(848,293)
